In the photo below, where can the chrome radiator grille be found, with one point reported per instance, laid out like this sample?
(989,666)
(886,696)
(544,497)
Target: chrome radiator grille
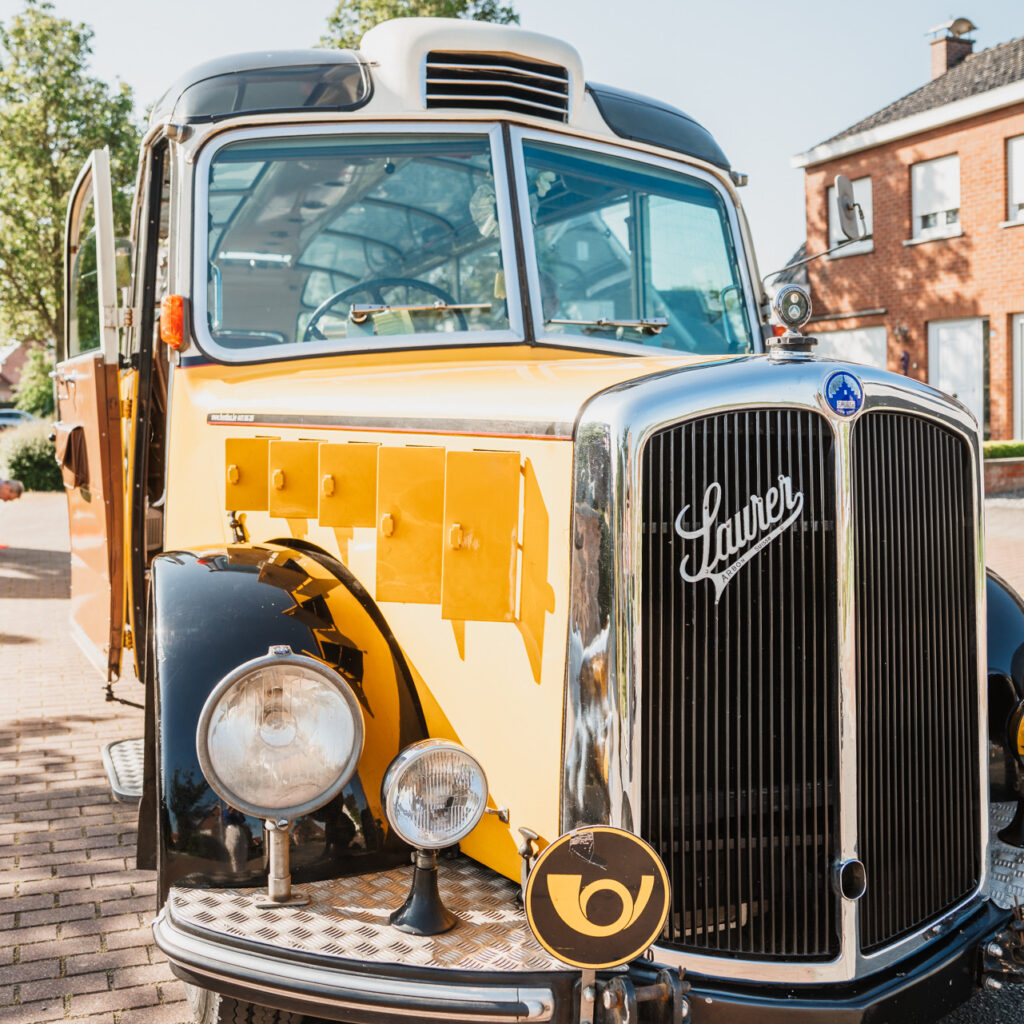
(739,694)
(917,725)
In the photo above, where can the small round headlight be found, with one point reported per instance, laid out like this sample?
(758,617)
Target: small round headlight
(792,306)
(434,793)
(280,735)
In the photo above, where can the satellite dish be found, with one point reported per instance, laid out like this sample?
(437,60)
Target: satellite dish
(851,217)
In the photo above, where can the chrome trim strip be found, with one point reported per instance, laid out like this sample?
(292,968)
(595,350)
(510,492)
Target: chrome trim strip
(602,714)
(546,430)
(744,253)
(347,989)
(292,350)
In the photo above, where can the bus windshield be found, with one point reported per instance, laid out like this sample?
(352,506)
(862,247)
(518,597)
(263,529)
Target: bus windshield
(329,242)
(633,252)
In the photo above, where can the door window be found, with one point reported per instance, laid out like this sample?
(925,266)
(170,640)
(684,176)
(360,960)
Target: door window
(83,291)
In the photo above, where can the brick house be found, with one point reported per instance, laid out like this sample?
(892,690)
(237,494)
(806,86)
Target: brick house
(937,292)
(13,356)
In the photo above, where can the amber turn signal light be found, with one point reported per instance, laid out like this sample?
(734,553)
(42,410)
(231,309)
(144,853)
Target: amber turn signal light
(172,321)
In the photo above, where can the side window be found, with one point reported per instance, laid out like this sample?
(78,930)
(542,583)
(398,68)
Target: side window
(935,189)
(861,196)
(84,321)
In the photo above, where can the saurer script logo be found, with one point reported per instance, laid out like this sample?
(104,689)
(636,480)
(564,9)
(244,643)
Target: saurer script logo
(571,904)
(726,547)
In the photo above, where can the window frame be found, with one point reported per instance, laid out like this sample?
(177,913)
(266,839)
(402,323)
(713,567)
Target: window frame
(518,136)
(513,335)
(939,230)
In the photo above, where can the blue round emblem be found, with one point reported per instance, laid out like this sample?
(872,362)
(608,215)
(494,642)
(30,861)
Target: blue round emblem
(844,393)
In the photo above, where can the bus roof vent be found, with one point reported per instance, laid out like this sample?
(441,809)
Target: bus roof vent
(499,81)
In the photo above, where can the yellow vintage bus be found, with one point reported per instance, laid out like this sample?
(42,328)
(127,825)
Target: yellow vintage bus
(443,475)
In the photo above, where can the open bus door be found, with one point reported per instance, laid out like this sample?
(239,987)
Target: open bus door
(88,412)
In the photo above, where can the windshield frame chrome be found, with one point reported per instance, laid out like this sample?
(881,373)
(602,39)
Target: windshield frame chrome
(199,307)
(571,140)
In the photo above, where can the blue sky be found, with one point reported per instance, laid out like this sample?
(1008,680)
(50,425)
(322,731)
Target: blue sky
(768,79)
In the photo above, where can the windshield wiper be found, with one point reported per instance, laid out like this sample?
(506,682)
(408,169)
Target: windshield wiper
(360,312)
(650,325)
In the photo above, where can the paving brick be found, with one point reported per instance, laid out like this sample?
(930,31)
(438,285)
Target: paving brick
(40,933)
(33,970)
(118,999)
(33,1013)
(55,947)
(173,1013)
(106,925)
(57,988)
(108,960)
(55,915)
(138,937)
(148,974)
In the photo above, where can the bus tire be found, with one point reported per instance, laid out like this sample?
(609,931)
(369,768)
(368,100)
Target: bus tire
(213,1008)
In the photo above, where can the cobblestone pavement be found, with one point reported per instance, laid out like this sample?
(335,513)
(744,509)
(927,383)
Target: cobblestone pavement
(75,942)
(74,912)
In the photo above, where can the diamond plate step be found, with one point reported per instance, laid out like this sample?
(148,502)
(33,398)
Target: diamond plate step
(348,918)
(1005,863)
(123,760)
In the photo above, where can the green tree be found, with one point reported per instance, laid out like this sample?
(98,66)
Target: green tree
(351,18)
(52,115)
(35,389)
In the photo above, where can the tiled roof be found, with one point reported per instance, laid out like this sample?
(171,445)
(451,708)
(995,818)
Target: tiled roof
(976,73)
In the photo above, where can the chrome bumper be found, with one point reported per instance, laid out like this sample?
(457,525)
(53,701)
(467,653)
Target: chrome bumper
(346,987)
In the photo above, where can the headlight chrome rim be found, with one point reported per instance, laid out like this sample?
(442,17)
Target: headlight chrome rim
(277,656)
(403,761)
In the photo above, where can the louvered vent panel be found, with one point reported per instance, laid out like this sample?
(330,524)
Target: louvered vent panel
(497,82)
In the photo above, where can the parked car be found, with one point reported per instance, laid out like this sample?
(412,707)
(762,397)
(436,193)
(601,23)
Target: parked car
(476,500)
(14,418)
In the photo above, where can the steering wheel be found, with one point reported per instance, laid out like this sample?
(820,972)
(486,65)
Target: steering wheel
(375,289)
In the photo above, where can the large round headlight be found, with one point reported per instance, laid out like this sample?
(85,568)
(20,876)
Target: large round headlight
(434,793)
(280,736)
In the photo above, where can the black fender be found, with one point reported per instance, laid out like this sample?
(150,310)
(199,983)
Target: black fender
(1005,682)
(214,609)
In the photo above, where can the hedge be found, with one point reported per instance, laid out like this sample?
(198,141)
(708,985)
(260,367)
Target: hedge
(1003,449)
(28,455)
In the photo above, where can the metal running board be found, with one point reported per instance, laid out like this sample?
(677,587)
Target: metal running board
(1005,885)
(123,760)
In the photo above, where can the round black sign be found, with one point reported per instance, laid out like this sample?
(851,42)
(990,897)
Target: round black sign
(597,897)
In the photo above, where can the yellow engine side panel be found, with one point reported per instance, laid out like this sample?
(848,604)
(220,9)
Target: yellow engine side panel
(245,473)
(410,507)
(481,519)
(348,484)
(293,484)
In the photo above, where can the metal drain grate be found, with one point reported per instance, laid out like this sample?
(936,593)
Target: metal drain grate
(123,760)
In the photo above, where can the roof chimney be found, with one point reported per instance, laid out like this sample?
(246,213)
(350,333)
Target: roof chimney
(949,47)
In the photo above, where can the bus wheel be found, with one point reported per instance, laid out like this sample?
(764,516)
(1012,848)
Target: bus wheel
(213,1008)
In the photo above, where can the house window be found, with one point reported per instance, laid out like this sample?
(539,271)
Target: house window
(1015,177)
(861,196)
(935,187)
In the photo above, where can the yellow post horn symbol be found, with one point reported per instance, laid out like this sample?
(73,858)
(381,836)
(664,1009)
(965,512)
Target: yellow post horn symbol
(571,904)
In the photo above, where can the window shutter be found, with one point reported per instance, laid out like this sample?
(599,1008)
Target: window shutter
(1015,175)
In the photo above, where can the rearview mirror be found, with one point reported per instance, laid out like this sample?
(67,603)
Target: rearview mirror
(851,216)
